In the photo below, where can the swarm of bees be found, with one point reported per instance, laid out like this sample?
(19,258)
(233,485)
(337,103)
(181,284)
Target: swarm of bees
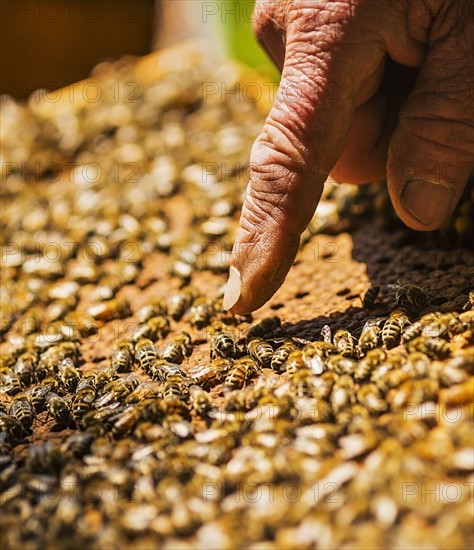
(195,428)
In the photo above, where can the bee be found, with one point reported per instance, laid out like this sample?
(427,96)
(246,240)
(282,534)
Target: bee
(370,397)
(145,353)
(11,384)
(470,303)
(25,367)
(161,369)
(179,348)
(295,362)
(221,341)
(392,329)
(280,356)
(263,328)
(174,387)
(323,385)
(343,393)
(58,309)
(126,421)
(157,307)
(103,419)
(436,348)
(108,311)
(22,410)
(409,297)
(77,445)
(372,359)
(326,334)
(391,378)
(200,400)
(117,390)
(140,393)
(201,312)
(68,374)
(344,342)
(123,356)
(447,324)
(179,303)
(37,394)
(154,329)
(31,321)
(208,376)
(260,351)
(82,402)
(59,410)
(103,377)
(12,427)
(368,300)
(240,373)
(312,359)
(415,329)
(302,383)
(341,364)
(369,337)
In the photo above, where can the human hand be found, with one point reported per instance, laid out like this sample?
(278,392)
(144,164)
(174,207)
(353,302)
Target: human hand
(332,115)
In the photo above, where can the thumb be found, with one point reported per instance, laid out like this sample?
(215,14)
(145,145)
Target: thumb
(432,149)
(301,141)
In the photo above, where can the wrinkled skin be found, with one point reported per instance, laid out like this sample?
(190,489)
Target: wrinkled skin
(370,89)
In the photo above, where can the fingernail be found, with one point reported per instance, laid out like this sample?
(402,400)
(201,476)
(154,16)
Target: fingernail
(427,201)
(232,288)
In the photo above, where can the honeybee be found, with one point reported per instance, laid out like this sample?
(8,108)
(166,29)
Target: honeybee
(22,410)
(343,393)
(179,303)
(103,419)
(263,328)
(372,359)
(117,390)
(37,394)
(221,341)
(260,351)
(344,342)
(341,364)
(200,400)
(390,379)
(11,384)
(323,385)
(122,357)
(78,444)
(312,359)
(302,383)
(447,324)
(368,300)
(369,396)
(144,391)
(31,321)
(415,329)
(369,337)
(392,329)
(201,312)
(280,356)
(108,311)
(208,376)
(436,348)
(179,348)
(240,373)
(145,353)
(59,410)
(295,362)
(104,376)
(126,421)
(25,367)
(409,297)
(326,334)
(155,328)
(12,427)
(157,307)
(68,374)
(82,402)
(174,387)
(161,370)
